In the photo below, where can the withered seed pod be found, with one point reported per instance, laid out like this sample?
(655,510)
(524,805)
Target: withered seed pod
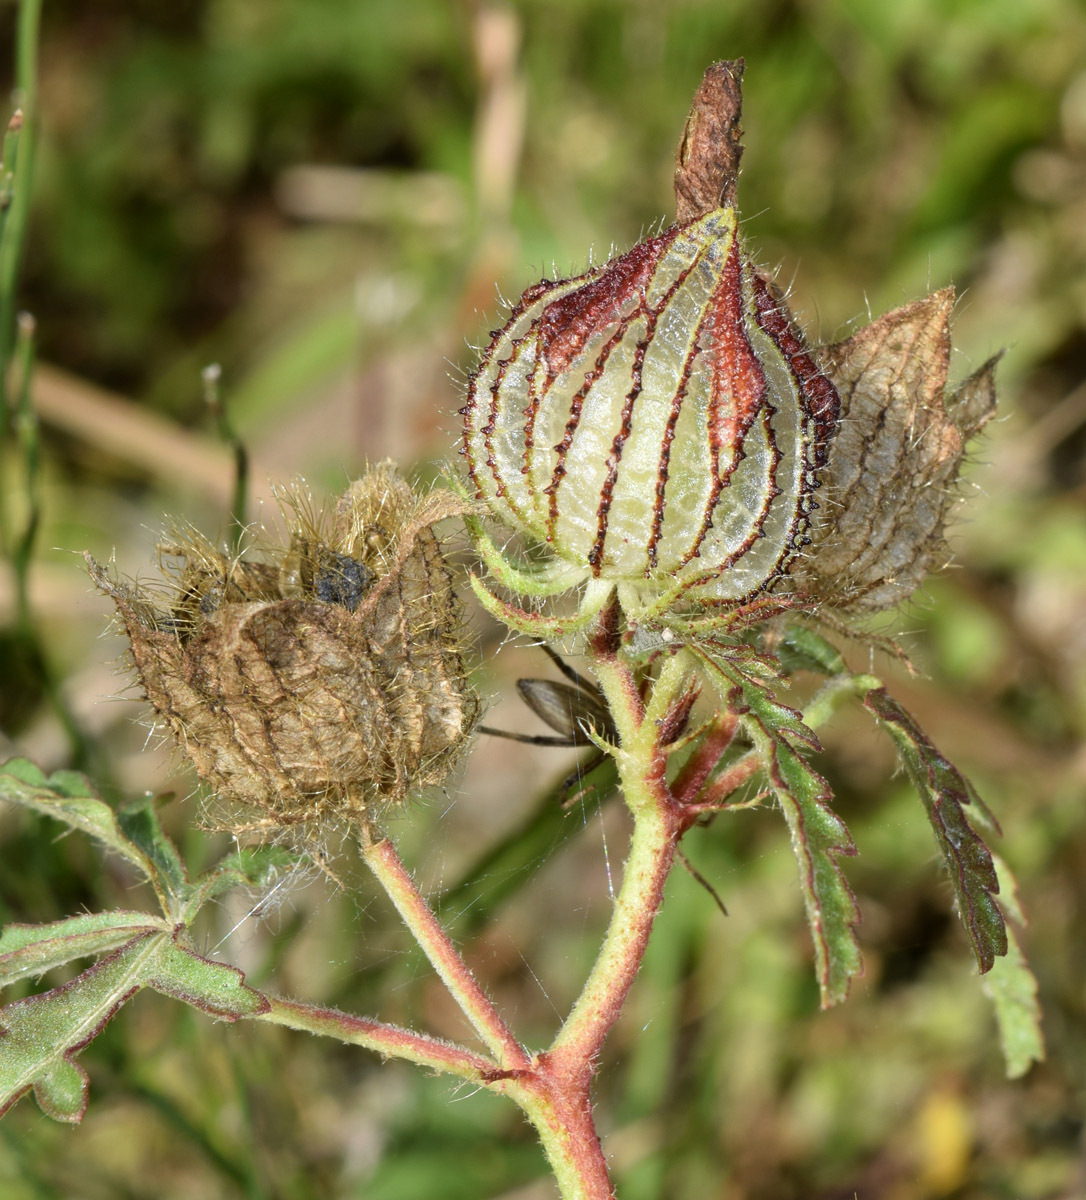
(891,480)
(325,677)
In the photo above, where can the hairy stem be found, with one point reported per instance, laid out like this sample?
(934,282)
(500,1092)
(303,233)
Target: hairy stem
(560,1108)
(658,825)
(652,854)
(552,1090)
(390,1040)
(383,860)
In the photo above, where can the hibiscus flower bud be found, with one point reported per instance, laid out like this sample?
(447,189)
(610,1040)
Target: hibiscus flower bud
(658,418)
(659,422)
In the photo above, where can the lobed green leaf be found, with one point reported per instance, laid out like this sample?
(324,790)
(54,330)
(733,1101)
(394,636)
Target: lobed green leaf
(27,950)
(801,649)
(68,797)
(217,988)
(819,836)
(135,832)
(140,824)
(41,1035)
(1012,988)
(945,793)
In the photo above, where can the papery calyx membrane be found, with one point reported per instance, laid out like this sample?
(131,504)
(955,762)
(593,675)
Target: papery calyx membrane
(656,419)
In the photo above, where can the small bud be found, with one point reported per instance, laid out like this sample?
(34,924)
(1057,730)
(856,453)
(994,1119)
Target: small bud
(707,162)
(211,377)
(322,678)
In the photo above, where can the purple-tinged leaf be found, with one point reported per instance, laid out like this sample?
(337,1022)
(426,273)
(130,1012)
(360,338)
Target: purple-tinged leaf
(819,836)
(945,793)
(33,949)
(41,1035)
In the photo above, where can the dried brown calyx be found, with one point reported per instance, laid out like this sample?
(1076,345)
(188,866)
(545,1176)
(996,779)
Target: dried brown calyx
(889,484)
(324,677)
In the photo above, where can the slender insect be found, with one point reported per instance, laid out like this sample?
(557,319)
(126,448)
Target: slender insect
(573,710)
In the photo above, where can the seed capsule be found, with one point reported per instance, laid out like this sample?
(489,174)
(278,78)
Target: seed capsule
(656,419)
(322,679)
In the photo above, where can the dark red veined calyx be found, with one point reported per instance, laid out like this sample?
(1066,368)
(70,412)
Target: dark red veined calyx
(656,419)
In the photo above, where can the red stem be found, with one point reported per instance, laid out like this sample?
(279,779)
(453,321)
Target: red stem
(652,854)
(692,777)
(476,1005)
(714,797)
(560,1107)
(379,1036)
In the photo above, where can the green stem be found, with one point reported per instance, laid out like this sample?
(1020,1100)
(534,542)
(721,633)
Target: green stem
(26,436)
(556,1095)
(829,697)
(14,229)
(16,340)
(652,854)
(560,1109)
(552,1089)
(658,825)
(239,504)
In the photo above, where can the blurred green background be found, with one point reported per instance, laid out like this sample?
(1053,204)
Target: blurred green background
(321,197)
